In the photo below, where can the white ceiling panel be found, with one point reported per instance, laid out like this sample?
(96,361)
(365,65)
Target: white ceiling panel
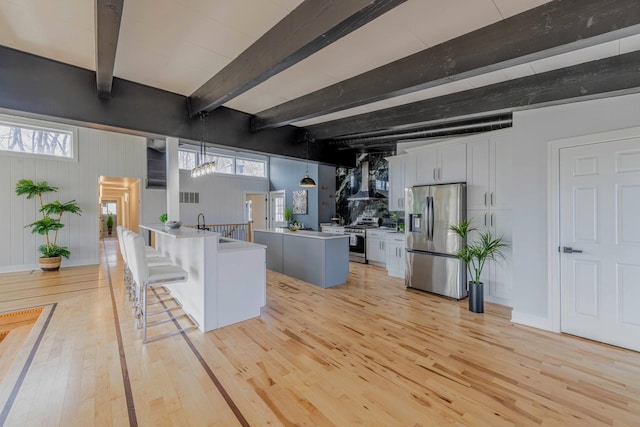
(630,44)
(587,54)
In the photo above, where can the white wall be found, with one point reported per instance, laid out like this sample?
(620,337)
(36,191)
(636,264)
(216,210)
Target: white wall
(221,197)
(99,153)
(532,130)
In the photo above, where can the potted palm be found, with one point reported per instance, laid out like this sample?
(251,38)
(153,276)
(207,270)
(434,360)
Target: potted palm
(485,247)
(110,224)
(49,222)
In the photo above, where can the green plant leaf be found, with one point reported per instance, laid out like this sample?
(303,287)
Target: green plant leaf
(163,218)
(44,225)
(54,251)
(58,208)
(31,189)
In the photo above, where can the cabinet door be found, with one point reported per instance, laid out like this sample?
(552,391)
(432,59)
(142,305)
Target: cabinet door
(395,258)
(427,162)
(409,171)
(396,183)
(501,174)
(500,284)
(453,164)
(375,250)
(478,175)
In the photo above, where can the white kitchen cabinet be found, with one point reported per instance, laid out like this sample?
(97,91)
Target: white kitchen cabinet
(489,207)
(489,173)
(376,247)
(396,182)
(395,255)
(441,164)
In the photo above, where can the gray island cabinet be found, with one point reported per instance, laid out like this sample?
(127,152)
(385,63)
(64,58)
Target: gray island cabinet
(321,259)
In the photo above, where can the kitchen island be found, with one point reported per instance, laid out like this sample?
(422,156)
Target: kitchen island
(227,278)
(321,259)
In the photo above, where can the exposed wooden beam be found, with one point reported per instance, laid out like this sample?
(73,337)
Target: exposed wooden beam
(310,27)
(550,29)
(66,93)
(108,17)
(605,77)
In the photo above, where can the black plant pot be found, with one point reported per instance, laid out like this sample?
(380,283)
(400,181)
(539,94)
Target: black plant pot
(476,297)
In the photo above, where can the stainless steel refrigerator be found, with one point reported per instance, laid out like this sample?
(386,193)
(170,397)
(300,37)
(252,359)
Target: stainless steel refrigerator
(430,261)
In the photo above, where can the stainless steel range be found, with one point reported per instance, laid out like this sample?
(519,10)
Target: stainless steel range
(358,238)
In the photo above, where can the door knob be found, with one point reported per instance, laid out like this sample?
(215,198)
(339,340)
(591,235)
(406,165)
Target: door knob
(570,250)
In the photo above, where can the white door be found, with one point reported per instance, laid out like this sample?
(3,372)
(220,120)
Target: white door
(276,209)
(600,216)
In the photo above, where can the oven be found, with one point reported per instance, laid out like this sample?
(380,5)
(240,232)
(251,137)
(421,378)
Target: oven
(357,244)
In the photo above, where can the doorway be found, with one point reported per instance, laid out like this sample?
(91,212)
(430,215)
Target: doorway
(277,203)
(598,258)
(109,216)
(256,210)
(120,198)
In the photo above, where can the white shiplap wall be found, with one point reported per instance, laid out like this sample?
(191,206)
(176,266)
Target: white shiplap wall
(99,153)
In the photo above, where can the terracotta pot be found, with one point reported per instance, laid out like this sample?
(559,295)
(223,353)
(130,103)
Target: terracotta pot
(50,264)
(476,297)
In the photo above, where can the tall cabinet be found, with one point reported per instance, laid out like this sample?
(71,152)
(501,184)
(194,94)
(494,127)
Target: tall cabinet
(489,175)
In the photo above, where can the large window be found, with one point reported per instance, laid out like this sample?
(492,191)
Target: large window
(231,165)
(27,139)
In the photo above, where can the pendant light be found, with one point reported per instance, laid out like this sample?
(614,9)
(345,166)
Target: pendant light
(307,181)
(203,168)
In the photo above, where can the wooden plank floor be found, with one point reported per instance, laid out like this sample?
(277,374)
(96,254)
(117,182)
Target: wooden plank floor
(365,353)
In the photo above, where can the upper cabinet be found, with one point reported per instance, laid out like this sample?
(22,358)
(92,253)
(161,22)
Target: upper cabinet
(489,174)
(441,164)
(396,182)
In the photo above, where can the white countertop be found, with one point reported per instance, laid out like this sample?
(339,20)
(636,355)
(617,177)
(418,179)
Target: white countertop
(304,233)
(180,233)
(232,245)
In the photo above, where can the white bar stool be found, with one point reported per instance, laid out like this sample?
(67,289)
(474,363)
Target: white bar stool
(147,277)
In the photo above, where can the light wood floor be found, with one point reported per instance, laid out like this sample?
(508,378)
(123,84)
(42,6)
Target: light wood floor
(366,353)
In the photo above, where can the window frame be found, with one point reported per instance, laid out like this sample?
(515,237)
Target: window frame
(248,159)
(233,157)
(34,124)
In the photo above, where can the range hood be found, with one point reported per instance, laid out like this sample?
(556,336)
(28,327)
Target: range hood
(367,190)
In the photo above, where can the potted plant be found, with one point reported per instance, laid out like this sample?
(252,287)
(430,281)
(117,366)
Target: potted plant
(51,252)
(110,224)
(288,215)
(475,254)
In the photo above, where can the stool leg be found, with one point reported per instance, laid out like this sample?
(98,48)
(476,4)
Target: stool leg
(144,313)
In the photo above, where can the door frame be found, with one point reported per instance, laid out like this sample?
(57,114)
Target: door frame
(553,210)
(270,223)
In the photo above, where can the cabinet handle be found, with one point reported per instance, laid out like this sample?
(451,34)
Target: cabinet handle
(434,174)
(492,198)
(485,198)
(485,220)
(492,220)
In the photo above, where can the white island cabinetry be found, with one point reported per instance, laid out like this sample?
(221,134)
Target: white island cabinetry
(227,278)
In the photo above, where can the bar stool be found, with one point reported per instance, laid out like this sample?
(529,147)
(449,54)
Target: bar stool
(146,278)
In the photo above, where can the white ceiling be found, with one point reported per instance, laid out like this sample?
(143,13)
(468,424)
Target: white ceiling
(177,45)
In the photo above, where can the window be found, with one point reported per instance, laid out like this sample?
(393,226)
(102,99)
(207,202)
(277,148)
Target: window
(224,164)
(28,139)
(251,168)
(186,159)
(227,164)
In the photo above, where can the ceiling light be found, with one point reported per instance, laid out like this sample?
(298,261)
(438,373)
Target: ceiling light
(203,168)
(307,181)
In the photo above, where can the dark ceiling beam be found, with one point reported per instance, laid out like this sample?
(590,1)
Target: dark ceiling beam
(550,29)
(36,87)
(606,77)
(313,25)
(108,17)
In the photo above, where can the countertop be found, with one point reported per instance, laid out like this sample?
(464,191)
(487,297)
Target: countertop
(304,233)
(232,245)
(180,233)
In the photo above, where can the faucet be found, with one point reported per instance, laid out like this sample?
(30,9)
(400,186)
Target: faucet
(201,227)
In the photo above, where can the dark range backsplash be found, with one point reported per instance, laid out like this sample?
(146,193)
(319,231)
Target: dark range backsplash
(348,183)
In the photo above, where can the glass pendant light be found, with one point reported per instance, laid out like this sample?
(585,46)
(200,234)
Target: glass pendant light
(203,168)
(307,181)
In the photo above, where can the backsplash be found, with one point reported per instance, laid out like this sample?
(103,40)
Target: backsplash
(348,182)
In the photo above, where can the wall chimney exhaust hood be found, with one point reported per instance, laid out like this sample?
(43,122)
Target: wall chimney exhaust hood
(368,190)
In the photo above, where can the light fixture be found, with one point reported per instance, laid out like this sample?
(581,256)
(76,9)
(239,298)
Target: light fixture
(204,168)
(307,181)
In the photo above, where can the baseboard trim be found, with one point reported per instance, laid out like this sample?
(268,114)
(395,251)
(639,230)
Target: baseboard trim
(531,320)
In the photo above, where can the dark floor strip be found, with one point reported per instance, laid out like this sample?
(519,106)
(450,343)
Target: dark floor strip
(55,293)
(25,369)
(236,411)
(131,408)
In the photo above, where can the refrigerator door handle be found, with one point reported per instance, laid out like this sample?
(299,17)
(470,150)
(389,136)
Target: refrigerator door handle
(430,218)
(427,214)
